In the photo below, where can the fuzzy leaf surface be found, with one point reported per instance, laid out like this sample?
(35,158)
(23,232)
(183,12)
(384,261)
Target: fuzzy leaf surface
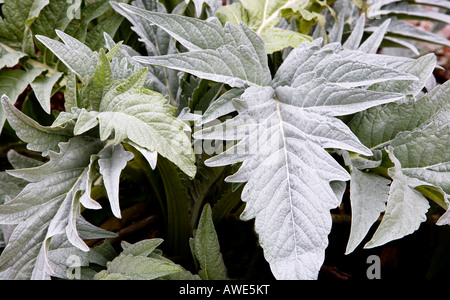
(38,137)
(406,208)
(46,207)
(368,196)
(283,130)
(287,170)
(225,54)
(142,117)
(112,161)
(140,261)
(74,54)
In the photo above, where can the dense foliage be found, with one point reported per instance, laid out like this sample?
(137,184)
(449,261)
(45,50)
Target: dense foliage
(128,123)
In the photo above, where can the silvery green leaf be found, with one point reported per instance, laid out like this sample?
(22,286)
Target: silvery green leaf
(142,117)
(71,96)
(150,156)
(423,152)
(354,40)
(444,219)
(86,120)
(89,178)
(418,131)
(334,100)
(141,248)
(409,11)
(157,42)
(112,160)
(222,106)
(404,30)
(19,161)
(406,208)
(43,88)
(335,33)
(88,231)
(99,84)
(139,261)
(310,61)
(9,59)
(422,68)
(10,186)
(194,34)
(291,181)
(369,194)
(14,82)
(24,239)
(225,54)
(62,255)
(74,54)
(371,44)
(288,173)
(228,64)
(37,137)
(46,207)
(378,126)
(17,18)
(436,3)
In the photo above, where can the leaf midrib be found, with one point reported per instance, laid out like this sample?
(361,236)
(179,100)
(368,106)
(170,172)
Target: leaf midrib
(291,205)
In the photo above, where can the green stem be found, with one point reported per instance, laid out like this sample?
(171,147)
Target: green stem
(177,200)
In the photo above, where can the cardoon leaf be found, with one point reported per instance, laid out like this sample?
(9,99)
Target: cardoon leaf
(43,88)
(157,42)
(139,261)
(424,153)
(100,83)
(368,196)
(37,137)
(9,59)
(402,9)
(310,61)
(17,18)
(226,54)
(378,126)
(112,161)
(194,34)
(14,82)
(46,207)
(287,170)
(291,181)
(131,113)
(406,208)
(74,54)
